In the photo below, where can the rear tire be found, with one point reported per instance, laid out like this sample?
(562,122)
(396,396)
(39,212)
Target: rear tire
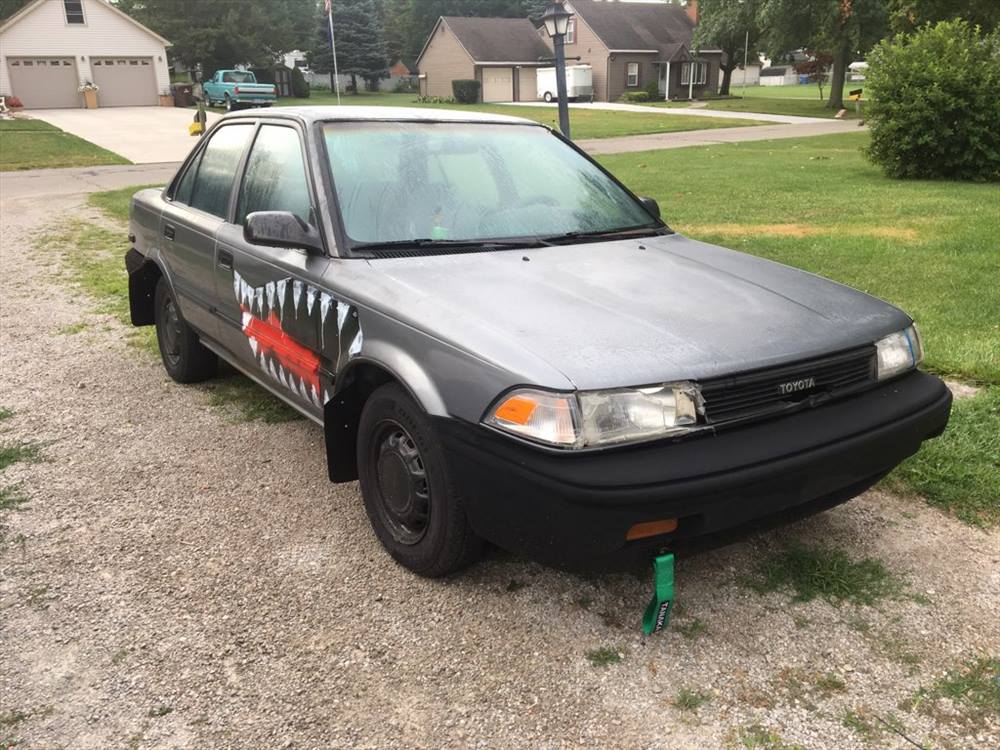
(230,106)
(548,97)
(184,357)
(411,499)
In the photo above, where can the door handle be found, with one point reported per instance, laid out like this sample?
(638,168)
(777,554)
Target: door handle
(226,259)
(168,231)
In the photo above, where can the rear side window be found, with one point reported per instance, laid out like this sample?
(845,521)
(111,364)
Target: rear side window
(183,192)
(216,171)
(275,176)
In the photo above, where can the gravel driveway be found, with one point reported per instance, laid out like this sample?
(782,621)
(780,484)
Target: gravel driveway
(181,579)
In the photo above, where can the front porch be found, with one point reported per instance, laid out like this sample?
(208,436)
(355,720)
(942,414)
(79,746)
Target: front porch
(681,74)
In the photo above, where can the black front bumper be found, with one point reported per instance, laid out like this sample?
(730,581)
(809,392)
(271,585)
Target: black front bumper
(573,511)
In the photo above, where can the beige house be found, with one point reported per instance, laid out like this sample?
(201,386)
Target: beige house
(50,48)
(630,44)
(503,54)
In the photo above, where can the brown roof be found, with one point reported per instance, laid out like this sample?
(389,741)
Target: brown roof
(499,39)
(655,27)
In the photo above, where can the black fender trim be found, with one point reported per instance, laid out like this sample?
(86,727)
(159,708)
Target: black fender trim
(143,274)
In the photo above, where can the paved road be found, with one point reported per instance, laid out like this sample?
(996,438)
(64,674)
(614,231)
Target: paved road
(38,183)
(655,141)
(689,112)
(144,135)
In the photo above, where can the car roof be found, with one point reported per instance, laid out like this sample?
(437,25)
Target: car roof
(383,114)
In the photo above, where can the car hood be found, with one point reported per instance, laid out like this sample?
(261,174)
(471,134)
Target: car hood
(629,312)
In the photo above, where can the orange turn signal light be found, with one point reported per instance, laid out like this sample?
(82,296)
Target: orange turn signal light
(651,528)
(516,409)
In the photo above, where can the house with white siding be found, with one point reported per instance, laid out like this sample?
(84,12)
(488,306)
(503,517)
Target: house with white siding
(50,48)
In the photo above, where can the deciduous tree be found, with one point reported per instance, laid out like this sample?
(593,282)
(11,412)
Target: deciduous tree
(843,29)
(726,24)
(909,15)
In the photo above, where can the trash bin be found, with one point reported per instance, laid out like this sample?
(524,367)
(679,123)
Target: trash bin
(183,94)
(803,78)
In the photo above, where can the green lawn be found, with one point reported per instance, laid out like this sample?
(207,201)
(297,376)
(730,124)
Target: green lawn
(585,123)
(929,247)
(34,144)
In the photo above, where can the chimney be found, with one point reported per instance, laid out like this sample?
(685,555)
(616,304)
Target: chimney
(692,10)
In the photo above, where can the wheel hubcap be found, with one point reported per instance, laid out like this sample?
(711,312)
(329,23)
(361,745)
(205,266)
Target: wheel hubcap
(171,338)
(403,494)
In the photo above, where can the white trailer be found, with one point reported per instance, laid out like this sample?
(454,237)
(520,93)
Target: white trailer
(579,83)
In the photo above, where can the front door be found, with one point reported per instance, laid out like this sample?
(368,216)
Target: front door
(190,221)
(274,318)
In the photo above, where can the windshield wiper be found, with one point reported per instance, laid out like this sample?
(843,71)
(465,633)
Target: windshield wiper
(426,243)
(608,234)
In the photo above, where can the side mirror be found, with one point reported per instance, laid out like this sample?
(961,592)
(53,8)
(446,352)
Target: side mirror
(281,229)
(652,206)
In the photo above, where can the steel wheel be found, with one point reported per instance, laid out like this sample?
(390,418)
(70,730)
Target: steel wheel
(172,332)
(402,493)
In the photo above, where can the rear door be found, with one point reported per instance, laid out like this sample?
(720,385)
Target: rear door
(196,209)
(274,319)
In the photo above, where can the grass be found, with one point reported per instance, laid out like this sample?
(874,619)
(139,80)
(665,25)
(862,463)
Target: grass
(691,700)
(692,630)
(5,413)
(34,144)
(859,723)
(12,453)
(93,255)
(585,123)
(927,247)
(116,203)
(960,471)
(973,689)
(757,737)
(11,498)
(825,573)
(248,401)
(72,329)
(603,657)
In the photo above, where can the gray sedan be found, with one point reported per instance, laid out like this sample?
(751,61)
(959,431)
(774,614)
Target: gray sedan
(504,344)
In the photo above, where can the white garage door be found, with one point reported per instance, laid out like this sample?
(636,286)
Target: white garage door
(498,84)
(125,81)
(45,82)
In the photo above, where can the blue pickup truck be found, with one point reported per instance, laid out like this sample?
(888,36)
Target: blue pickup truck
(238,88)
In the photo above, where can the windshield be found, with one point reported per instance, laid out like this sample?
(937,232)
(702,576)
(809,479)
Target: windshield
(237,76)
(456,182)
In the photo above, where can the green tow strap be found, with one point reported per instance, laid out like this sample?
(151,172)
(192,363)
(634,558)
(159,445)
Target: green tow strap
(657,615)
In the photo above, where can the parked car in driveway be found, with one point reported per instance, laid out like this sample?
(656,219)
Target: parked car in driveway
(503,343)
(236,89)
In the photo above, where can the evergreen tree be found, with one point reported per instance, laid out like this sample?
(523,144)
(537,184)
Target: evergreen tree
(361,45)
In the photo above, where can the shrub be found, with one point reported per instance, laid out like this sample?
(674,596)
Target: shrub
(13,102)
(635,96)
(466,91)
(435,100)
(934,104)
(300,86)
(652,90)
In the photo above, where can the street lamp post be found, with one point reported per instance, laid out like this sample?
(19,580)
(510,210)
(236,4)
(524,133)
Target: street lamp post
(556,20)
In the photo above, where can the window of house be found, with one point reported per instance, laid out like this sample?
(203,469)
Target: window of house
(632,75)
(211,185)
(74,11)
(571,31)
(700,73)
(275,178)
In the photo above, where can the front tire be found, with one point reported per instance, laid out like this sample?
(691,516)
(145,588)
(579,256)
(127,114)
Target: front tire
(184,357)
(411,499)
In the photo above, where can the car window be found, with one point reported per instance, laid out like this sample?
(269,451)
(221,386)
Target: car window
(182,194)
(275,176)
(237,77)
(469,182)
(214,179)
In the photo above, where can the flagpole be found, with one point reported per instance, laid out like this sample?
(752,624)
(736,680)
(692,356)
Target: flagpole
(333,48)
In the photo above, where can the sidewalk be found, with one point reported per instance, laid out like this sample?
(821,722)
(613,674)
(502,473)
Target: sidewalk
(654,141)
(690,111)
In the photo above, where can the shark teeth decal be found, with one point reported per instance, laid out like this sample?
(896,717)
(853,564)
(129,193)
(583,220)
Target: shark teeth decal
(284,359)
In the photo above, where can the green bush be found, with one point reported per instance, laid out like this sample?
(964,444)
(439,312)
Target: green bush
(934,104)
(300,87)
(652,90)
(434,100)
(635,96)
(466,91)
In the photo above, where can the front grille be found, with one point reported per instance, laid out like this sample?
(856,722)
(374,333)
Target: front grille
(775,389)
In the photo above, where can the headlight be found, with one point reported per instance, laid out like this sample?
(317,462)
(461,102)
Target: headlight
(596,418)
(899,353)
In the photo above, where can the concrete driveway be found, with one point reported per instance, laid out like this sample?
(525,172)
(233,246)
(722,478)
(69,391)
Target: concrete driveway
(144,135)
